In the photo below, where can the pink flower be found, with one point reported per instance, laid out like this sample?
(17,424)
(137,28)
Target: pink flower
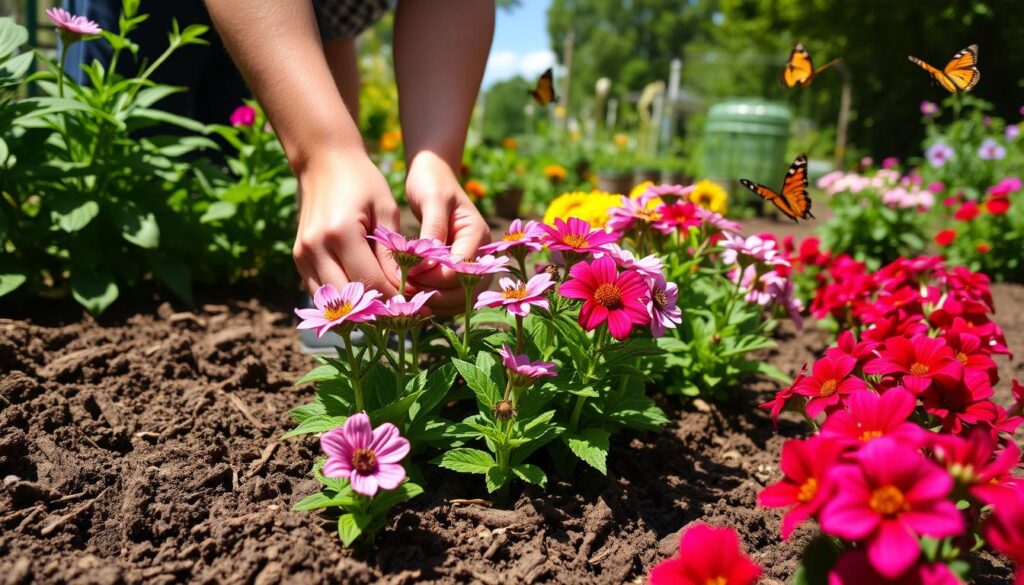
(576,236)
(973,463)
(919,361)
(244,115)
(76,26)
(960,402)
(352,304)
(1005,187)
(369,458)
(804,464)
(847,344)
(662,306)
(707,555)
(1004,530)
(890,162)
(892,495)
(829,383)
(745,250)
(782,397)
(630,213)
(479,266)
(717,220)
(608,297)
(967,211)
(517,296)
(929,109)
(853,568)
(522,371)
(409,252)
(678,215)
(399,313)
(648,266)
(869,416)
(526,234)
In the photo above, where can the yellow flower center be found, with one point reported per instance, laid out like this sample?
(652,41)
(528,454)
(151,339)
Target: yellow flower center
(659,299)
(828,387)
(962,357)
(515,292)
(576,240)
(717,581)
(609,296)
(918,369)
(888,500)
(808,490)
(336,310)
(648,215)
(868,435)
(513,236)
(364,461)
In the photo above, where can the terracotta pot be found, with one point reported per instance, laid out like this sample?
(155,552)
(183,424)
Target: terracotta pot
(506,203)
(619,183)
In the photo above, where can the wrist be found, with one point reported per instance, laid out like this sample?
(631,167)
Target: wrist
(328,162)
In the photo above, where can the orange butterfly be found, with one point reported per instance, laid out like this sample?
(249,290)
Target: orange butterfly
(800,69)
(960,74)
(793,200)
(544,93)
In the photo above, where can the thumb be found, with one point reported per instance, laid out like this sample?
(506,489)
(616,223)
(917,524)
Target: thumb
(434,218)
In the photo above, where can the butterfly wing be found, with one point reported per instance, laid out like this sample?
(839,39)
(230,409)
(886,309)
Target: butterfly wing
(962,69)
(794,190)
(937,75)
(799,69)
(544,93)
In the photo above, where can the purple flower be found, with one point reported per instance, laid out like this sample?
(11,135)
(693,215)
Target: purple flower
(401,314)
(991,150)
(352,304)
(576,236)
(478,266)
(648,266)
(72,27)
(244,115)
(1012,132)
(527,234)
(409,252)
(938,154)
(517,296)
(662,306)
(929,109)
(369,458)
(522,372)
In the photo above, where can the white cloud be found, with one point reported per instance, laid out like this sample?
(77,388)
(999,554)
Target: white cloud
(503,65)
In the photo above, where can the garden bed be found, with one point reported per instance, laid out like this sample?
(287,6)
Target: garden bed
(145,449)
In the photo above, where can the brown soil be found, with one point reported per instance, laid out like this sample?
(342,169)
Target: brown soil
(144,449)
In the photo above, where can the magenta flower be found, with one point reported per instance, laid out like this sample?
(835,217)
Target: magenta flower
(518,296)
(526,234)
(244,115)
(630,213)
(409,252)
(919,361)
(803,488)
(869,416)
(369,458)
(72,27)
(707,556)
(662,306)
(1004,530)
(576,236)
(892,495)
(678,215)
(401,314)
(890,162)
(522,372)
(929,109)
(352,304)
(648,266)
(479,266)
(830,381)
(620,300)
(853,568)
(974,464)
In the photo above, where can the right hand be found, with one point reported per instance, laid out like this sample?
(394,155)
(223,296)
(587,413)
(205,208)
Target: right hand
(341,200)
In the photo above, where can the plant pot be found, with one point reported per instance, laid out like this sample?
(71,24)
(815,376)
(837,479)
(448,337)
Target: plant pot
(506,203)
(614,182)
(643,175)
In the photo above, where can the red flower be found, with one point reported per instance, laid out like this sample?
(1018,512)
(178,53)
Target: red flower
(919,361)
(620,300)
(707,555)
(997,205)
(983,248)
(945,237)
(775,405)
(853,568)
(847,344)
(869,416)
(804,463)
(968,211)
(968,351)
(973,463)
(957,403)
(828,383)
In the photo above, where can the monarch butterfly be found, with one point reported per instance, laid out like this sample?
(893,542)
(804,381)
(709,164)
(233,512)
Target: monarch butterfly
(793,200)
(960,74)
(800,69)
(544,93)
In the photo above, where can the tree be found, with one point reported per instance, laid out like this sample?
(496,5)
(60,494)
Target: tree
(503,109)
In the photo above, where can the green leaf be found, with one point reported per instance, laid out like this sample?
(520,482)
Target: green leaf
(817,560)
(73,214)
(307,411)
(316,424)
(93,289)
(496,477)
(480,382)
(140,229)
(767,369)
(15,68)
(320,373)
(9,281)
(162,117)
(395,412)
(351,525)
(151,95)
(12,36)
(466,460)
(219,210)
(385,500)
(321,500)
(435,386)
(530,474)
(590,445)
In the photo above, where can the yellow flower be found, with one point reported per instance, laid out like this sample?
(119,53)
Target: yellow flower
(555,173)
(510,143)
(711,196)
(390,140)
(621,140)
(475,189)
(559,112)
(591,207)
(639,190)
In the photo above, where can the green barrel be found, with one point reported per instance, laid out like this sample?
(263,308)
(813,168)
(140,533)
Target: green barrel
(746,138)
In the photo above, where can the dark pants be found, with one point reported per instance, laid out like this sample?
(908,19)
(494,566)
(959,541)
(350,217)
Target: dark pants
(214,87)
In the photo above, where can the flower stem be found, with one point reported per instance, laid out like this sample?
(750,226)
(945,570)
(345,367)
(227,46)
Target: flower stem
(404,278)
(519,334)
(353,365)
(401,361)
(521,259)
(415,347)
(467,316)
(60,68)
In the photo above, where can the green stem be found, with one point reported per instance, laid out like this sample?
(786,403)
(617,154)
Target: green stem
(521,259)
(401,361)
(60,69)
(519,335)
(353,365)
(404,278)
(577,410)
(415,347)
(467,316)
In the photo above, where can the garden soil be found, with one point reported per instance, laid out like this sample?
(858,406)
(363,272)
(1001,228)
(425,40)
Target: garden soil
(145,449)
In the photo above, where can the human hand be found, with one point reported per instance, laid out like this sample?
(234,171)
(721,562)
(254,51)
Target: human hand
(446,213)
(342,199)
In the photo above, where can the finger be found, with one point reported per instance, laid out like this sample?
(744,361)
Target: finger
(470,230)
(434,217)
(329,270)
(391,220)
(304,265)
(354,255)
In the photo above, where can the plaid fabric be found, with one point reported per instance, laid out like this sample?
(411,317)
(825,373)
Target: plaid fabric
(344,19)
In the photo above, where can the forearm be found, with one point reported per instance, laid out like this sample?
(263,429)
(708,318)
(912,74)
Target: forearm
(441,49)
(277,47)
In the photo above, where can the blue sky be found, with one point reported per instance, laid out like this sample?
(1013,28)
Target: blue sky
(521,45)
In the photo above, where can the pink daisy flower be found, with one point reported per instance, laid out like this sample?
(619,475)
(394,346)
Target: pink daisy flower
(919,362)
(352,304)
(740,250)
(519,234)
(630,213)
(479,266)
(523,372)
(678,215)
(398,313)
(409,252)
(74,25)
(518,296)
(576,236)
(369,458)
(648,266)
(662,306)
(831,380)
(620,300)
(718,221)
